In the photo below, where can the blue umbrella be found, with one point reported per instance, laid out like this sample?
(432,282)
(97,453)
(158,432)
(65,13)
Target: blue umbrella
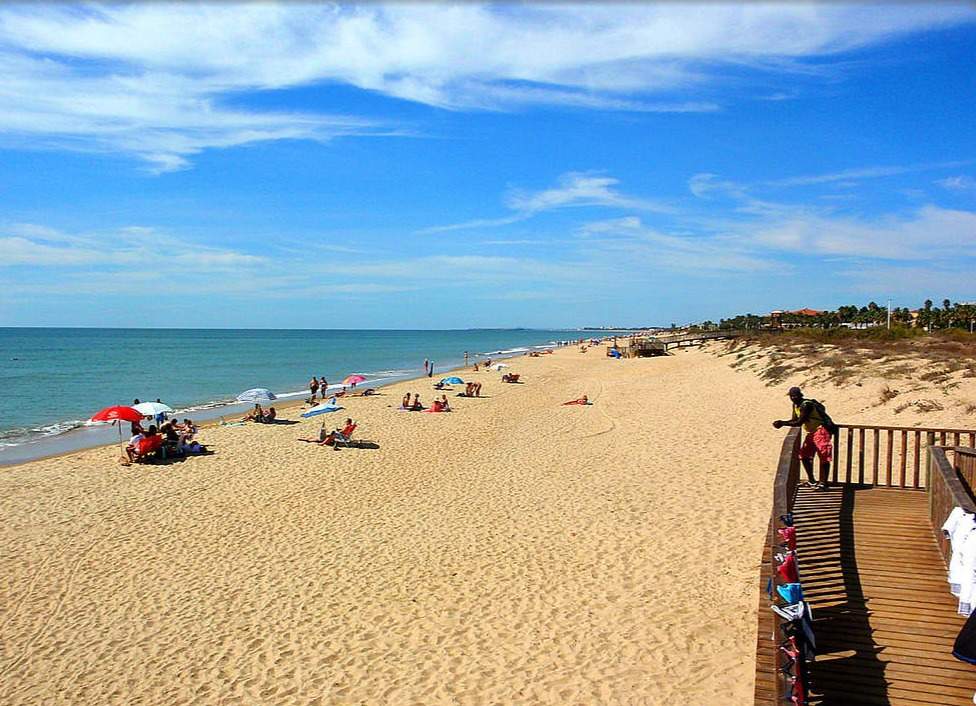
(321,409)
(453,381)
(257,394)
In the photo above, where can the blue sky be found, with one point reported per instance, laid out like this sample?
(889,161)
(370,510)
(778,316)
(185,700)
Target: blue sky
(433,166)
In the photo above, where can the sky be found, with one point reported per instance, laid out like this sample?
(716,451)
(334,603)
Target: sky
(455,166)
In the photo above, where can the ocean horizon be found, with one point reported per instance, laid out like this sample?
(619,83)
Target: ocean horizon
(56,378)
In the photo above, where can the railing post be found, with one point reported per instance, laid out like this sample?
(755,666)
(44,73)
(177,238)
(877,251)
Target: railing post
(850,453)
(930,442)
(860,456)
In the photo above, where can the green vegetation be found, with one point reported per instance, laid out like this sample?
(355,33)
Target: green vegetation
(949,317)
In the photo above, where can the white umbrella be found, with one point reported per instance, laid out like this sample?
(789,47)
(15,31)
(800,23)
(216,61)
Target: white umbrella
(151,409)
(256,394)
(499,366)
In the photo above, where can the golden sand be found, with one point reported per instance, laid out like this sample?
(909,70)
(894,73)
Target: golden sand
(514,551)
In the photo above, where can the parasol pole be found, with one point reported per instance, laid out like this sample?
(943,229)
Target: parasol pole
(123,459)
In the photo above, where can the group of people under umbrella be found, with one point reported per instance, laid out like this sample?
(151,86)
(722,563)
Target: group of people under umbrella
(169,437)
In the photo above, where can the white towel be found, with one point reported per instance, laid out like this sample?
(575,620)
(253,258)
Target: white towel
(962,528)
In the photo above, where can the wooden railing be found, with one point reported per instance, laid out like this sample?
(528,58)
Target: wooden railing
(964,461)
(692,336)
(865,454)
(892,456)
(770,684)
(949,487)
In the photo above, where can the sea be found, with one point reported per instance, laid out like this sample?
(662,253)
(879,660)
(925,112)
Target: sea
(54,379)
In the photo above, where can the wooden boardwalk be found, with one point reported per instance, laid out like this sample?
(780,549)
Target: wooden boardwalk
(884,619)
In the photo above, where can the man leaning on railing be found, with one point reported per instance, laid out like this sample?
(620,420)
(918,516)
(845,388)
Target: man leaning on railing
(819,428)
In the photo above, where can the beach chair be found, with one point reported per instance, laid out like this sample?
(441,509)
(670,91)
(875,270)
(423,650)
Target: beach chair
(344,437)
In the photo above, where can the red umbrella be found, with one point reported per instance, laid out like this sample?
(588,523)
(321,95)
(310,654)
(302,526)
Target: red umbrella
(117,415)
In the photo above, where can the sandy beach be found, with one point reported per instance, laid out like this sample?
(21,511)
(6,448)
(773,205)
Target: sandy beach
(514,551)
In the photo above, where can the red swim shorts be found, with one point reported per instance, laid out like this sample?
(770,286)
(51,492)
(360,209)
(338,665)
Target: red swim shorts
(818,442)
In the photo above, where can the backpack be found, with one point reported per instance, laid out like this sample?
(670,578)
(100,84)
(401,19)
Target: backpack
(828,423)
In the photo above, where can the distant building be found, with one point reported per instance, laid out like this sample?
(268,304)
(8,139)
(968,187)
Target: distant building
(776,318)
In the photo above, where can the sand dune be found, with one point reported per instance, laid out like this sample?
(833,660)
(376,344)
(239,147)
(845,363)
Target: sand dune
(513,551)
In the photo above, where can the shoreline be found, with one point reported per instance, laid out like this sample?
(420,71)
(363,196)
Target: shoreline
(209,416)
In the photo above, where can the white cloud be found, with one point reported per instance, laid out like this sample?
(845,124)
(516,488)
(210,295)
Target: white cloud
(40,246)
(930,233)
(845,176)
(629,238)
(164,81)
(573,189)
(958,183)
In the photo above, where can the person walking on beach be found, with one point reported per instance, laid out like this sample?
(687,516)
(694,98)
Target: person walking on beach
(313,387)
(426,364)
(430,370)
(465,359)
(819,428)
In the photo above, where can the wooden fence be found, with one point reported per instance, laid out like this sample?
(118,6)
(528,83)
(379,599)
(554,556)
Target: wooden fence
(964,461)
(949,487)
(892,456)
(770,682)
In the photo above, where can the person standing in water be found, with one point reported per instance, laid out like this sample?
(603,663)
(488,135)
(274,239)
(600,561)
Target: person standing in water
(313,387)
(819,428)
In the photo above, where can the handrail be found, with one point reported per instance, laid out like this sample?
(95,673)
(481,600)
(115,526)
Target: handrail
(785,484)
(699,336)
(863,455)
(946,491)
(932,429)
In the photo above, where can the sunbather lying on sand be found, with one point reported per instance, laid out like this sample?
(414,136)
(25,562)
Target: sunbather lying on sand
(581,400)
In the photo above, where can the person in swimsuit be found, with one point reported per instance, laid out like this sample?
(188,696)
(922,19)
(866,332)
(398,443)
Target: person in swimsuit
(313,387)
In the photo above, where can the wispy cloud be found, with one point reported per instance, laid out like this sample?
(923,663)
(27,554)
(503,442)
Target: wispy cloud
(958,183)
(876,172)
(683,251)
(931,233)
(162,82)
(573,189)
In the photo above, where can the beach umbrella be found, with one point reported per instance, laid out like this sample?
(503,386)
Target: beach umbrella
(256,394)
(117,415)
(353,380)
(151,409)
(324,408)
(452,381)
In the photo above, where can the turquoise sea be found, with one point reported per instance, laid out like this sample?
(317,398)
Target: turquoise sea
(54,379)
